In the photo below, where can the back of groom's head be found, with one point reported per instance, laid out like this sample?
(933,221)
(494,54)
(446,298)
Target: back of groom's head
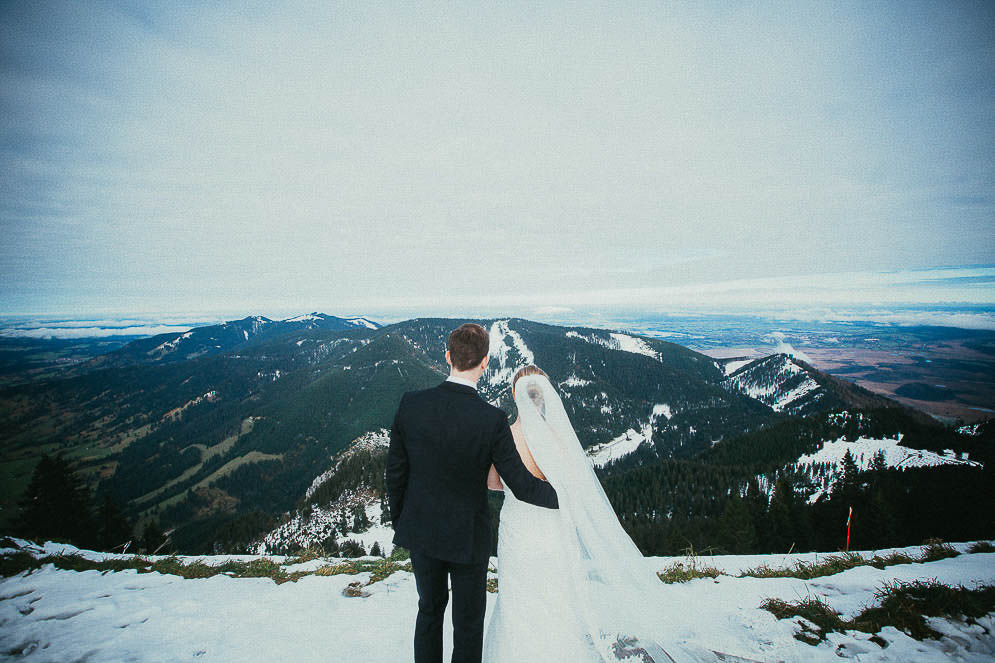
(468,345)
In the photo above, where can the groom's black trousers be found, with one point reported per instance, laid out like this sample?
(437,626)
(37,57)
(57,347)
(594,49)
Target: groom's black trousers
(432,577)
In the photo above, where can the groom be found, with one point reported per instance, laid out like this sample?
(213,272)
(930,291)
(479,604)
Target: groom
(442,445)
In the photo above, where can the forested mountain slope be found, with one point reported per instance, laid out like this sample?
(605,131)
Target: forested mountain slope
(220,444)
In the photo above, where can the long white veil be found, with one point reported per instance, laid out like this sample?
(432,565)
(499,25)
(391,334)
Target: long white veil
(612,583)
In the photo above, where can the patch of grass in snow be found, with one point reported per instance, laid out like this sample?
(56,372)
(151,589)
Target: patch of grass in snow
(892,559)
(14,563)
(935,549)
(378,569)
(196,569)
(903,605)
(817,617)
(830,565)
(306,555)
(22,561)
(981,547)
(680,572)
(262,567)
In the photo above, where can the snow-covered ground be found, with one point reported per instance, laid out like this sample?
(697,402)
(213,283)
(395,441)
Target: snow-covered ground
(56,615)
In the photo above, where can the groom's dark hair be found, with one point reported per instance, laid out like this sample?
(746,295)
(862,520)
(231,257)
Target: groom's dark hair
(468,345)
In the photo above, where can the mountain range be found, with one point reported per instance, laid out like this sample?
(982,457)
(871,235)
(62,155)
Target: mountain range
(221,432)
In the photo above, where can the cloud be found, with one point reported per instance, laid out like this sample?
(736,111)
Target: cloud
(321,152)
(551,310)
(90,332)
(781,346)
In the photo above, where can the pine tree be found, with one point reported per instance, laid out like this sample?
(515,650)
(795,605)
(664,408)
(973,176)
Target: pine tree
(56,505)
(782,516)
(152,538)
(352,548)
(330,546)
(360,523)
(737,534)
(878,464)
(848,483)
(757,502)
(375,550)
(113,529)
(384,511)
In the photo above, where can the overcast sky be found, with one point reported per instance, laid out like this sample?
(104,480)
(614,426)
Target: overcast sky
(365,156)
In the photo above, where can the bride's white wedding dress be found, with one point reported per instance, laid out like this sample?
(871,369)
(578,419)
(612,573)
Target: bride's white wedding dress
(534,617)
(573,588)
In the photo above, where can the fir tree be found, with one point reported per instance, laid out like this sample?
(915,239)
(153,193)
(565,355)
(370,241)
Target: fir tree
(737,534)
(360,523)
(56,505)
(782,516)
(330,546)
(848,483)
(153,539)
(352,548)
(113,529)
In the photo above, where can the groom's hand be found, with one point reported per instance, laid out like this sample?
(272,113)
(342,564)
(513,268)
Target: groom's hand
(516,476)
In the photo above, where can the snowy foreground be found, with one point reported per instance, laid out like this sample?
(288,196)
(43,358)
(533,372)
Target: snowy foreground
(57,615)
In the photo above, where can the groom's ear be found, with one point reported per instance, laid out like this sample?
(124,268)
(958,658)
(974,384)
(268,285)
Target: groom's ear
(449,359)
(483,362)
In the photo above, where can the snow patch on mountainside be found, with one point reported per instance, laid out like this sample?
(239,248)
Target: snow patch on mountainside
(863,450)
(309,529)
(508,353)
(786,399)
(619,447)
(661,410)
(371,441)
(765,380)
(363,322)
(312,526)
(895,455)
(574,381)
(171,345)
(617,341)
(623,445)
(733,366)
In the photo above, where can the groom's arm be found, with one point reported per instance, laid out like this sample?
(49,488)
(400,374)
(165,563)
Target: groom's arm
(396,474)
(515,475)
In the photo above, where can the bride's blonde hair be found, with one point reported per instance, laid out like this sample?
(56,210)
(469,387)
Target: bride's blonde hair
(534,392)
(531,369)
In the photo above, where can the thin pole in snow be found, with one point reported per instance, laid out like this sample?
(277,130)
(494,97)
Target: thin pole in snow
(849,516)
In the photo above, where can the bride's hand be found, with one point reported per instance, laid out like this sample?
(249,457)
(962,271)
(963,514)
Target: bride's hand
(493,480)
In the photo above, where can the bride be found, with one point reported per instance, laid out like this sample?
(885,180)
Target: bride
(573,586)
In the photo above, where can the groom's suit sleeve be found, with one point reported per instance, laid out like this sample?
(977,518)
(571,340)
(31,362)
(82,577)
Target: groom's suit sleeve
(396,475)
(514,474)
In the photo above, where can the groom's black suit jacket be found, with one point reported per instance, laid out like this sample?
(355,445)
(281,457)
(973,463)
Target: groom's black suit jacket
(442,445)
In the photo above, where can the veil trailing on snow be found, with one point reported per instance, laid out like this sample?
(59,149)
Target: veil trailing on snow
(612,582)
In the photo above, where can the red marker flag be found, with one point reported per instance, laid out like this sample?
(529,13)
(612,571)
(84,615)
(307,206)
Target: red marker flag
(849,516)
